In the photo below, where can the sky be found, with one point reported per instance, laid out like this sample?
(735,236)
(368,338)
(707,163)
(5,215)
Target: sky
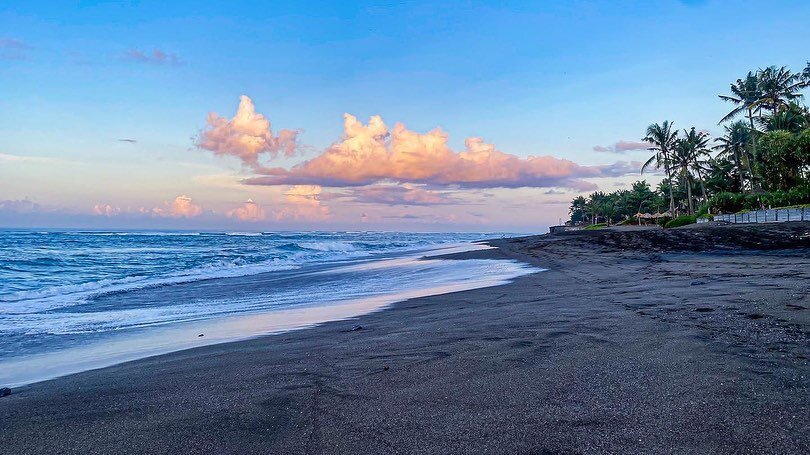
(443,116)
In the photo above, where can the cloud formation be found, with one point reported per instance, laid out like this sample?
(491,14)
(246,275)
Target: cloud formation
(181,207)
(621,147)
(106,210)
(247,136)
(372,153)
(405,194)
(157,57)
(19,206)
(249,211)
(303,202)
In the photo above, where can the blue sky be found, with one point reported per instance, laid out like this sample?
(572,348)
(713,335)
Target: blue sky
(534,78)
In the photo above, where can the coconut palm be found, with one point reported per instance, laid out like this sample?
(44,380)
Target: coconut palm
(793,119)
(746,94)
(662,138)
(701,159)
(733,146)
(779,86)
(689,155)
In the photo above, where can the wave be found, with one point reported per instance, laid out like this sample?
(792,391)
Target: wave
(77,270)
(329,246)
(52,298)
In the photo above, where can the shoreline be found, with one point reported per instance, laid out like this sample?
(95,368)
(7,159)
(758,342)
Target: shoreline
(612,349)
(112,349)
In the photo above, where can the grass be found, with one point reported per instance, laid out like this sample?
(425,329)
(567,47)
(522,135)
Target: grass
(681,221)
(596,226)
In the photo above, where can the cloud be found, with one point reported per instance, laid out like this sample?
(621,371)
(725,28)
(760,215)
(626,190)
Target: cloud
(247,136)
(249,211)
(181,207)
(13,49)
(106,210)
(131,141)
(398,195)
(303,202)
(621,147)
(19,206)
(25,159)
(157,57)
(372,153)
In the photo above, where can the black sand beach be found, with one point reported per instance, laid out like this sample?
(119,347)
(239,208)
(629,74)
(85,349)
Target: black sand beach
(678,341)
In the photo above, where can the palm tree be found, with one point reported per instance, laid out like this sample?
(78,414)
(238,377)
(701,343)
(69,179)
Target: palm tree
(688,155)
(794,119)
(746,94)
(806,75)
(662,138)
(733,144)
(701,159)
(779,86)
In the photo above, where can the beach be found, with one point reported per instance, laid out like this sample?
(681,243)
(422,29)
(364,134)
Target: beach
(691,340)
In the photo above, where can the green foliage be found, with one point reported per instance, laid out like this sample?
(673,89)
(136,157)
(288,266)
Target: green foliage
(762,160)
(780,160)
(620,205)
(681,221)
(594,227)
(735,202)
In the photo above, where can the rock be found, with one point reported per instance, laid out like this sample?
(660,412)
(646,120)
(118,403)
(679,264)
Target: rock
(5,391)
(200,335)
(356,328)
(385,368)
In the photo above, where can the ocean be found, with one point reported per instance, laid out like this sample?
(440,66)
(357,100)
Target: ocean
(76,300)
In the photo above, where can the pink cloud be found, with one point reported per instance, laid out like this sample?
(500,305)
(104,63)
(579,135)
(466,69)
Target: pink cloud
(106,210)
(621,147)
(372,153)
(181,207)
(247,136)
(303,202)
(249,211)
(157,57)
(405,194)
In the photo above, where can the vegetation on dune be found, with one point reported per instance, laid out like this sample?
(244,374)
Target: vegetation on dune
(762,159)
(681,221)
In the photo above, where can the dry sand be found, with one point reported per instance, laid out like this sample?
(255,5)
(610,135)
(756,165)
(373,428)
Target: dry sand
(676,341)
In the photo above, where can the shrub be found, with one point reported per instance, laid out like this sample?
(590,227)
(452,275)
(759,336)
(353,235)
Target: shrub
(594,227)
(663,220)
(681,221)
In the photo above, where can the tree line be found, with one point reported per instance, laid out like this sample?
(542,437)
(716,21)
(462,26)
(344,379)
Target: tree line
(761,160)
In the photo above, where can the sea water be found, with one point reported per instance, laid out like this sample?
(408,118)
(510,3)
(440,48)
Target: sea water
(72,300)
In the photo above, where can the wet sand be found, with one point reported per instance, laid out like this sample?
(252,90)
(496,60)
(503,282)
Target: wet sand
(678,341)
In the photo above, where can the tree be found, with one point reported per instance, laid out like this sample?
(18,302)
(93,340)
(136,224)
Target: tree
(688,156)
(794,119)
(662,138)
(778,86)
(732,146)
(723,176)
(780,160)
(578,210)
(746,94)
(595,205)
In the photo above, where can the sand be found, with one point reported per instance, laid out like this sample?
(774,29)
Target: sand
(650,341)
